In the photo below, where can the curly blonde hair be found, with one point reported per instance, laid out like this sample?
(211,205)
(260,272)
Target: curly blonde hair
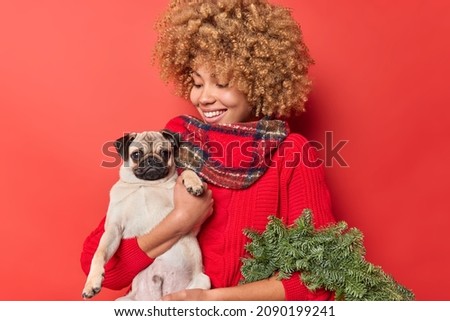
(253,45)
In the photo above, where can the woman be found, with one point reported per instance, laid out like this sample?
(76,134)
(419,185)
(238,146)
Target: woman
(243,65)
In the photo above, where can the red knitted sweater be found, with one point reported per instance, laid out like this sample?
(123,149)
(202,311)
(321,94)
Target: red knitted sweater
(292,182)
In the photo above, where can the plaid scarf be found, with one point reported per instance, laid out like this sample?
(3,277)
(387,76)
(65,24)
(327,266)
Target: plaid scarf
(232,156)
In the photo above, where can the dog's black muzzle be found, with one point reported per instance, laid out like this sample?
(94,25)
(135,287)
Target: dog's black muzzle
(151,168)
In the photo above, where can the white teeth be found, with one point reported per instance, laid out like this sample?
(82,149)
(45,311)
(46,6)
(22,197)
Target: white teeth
(210,114)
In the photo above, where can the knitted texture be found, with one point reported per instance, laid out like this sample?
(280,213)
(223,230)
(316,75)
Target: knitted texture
(128,261)
(230,155)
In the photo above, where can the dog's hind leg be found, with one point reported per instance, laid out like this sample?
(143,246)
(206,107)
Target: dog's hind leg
(200,281)
(149,291)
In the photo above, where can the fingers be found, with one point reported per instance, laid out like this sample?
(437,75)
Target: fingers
(186,295)
(176,296)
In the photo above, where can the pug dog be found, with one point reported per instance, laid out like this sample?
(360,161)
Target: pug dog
(140,199)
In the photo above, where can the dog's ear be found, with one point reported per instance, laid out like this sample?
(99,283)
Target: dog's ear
(122,145)
(174,138)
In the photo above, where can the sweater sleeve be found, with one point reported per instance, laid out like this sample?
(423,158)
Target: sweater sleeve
(123,266)
(303,186)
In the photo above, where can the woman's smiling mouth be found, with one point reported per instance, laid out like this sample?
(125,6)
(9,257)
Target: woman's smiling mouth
(213,115)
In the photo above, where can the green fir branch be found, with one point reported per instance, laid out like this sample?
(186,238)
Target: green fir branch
(331,258)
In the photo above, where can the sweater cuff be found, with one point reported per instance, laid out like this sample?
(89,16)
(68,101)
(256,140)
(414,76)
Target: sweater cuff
(128,261)
(294,289)
(131,252)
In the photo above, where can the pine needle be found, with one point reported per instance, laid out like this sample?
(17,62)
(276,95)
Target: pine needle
(331,258)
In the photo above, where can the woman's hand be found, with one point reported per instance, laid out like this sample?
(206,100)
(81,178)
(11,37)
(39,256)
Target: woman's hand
(189,295)
(188,215)
(191,211)
(270,289)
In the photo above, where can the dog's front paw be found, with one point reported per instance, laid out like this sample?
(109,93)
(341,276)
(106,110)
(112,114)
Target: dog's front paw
(92,287)
(192,182)
(195,190)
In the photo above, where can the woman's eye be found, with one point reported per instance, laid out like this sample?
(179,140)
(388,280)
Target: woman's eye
(136,155)
(197,85)
(222,85)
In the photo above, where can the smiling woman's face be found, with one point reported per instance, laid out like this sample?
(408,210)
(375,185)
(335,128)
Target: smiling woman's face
(218,103)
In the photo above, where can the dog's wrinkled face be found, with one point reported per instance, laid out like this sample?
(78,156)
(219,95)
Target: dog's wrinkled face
(148,154)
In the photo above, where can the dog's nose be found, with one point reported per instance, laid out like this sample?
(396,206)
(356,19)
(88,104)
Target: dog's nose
(151,168)
(153,162)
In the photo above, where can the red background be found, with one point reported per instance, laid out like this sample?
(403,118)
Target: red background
(77,74)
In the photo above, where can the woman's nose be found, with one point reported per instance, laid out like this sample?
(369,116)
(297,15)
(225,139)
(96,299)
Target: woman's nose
(206,96)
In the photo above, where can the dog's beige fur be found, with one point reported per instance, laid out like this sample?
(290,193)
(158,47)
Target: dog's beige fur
(136,206)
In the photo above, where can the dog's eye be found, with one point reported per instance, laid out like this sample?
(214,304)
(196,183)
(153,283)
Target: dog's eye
(165,154)
(136,155)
